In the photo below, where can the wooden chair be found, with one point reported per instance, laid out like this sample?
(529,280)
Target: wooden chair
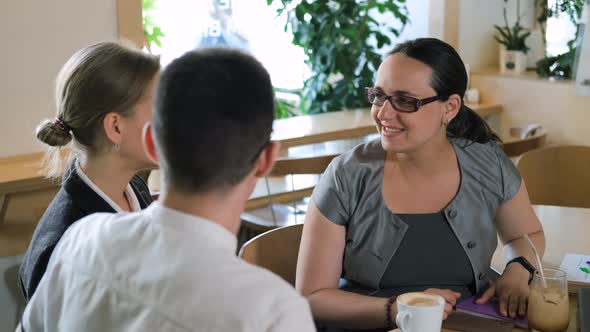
(283,211)
(516,147)
(309,165)
(275,250)
(287,205)
(557,175)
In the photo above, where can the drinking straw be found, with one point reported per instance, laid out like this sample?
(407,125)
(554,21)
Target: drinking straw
(537,260)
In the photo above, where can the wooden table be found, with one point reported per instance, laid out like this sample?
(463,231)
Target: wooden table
(573,327)
(511,144)
(23,172)
(308,129)
(20,174)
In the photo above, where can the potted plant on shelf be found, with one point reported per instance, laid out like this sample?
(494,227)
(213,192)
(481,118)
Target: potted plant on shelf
(513,40)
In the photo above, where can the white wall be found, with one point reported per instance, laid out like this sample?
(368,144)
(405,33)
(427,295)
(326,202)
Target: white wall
(38,37)
(419,24)
(554,105)
(476,43)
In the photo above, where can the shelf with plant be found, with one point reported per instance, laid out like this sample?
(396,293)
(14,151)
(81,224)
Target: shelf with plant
(513,38)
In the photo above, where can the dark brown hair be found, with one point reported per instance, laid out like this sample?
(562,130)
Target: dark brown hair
(449,77)
(212,117)
(96,80)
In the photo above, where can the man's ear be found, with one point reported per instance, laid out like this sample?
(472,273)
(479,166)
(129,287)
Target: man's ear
(147,139)
(267,159)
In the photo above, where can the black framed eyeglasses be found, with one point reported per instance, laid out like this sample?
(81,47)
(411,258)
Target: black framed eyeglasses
(400,103)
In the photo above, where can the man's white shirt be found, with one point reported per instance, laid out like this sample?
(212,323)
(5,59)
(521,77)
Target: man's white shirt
(159,270)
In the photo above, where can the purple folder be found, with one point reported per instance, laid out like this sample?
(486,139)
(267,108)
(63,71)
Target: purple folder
(488,310)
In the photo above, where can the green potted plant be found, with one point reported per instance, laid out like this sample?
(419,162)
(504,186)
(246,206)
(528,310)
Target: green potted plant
(343,41)
(514,48)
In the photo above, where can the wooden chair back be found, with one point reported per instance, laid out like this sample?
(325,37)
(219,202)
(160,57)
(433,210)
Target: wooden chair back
(275,250)
(557,175)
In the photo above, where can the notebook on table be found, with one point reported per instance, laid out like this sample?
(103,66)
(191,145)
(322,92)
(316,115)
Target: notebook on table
(577,268)
(488,310)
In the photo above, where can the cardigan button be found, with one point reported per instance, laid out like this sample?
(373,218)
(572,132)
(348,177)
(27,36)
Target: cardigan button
(452,214)
(471,244)
(481,276)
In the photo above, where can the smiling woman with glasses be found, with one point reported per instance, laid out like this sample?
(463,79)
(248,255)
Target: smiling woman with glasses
(420,208)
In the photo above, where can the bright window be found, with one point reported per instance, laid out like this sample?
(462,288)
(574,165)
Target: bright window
(246,24)
(560,30)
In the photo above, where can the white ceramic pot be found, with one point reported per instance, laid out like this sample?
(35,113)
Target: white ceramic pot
(512,62)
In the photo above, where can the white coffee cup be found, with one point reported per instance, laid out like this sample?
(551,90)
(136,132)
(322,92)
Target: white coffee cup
(419,312)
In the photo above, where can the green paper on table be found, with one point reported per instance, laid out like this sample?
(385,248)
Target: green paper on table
(577,267)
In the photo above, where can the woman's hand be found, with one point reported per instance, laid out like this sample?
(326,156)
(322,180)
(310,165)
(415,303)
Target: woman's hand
(512,290)
(449,296)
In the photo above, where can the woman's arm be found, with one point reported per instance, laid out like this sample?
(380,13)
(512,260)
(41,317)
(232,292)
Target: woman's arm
(515,218)
(319,268)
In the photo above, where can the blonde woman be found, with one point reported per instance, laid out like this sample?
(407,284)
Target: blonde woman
(103,100)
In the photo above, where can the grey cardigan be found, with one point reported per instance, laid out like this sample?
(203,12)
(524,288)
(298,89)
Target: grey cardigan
(349,193)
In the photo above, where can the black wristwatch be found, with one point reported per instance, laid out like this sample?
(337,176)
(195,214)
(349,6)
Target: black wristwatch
(525,263)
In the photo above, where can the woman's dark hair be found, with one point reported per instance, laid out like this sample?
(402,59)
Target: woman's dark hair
(448,77)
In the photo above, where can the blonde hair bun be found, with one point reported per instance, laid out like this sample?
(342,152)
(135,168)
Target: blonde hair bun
(49,133)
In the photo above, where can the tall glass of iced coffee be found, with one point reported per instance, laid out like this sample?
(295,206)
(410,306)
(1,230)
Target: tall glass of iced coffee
(548,309)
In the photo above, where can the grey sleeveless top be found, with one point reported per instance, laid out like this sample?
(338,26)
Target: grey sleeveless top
(349,193)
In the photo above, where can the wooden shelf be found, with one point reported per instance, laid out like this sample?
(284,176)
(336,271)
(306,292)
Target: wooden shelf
(22,173)
(530,75)
(309,129)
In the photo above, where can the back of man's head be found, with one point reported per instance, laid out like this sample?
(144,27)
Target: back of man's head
(212,117)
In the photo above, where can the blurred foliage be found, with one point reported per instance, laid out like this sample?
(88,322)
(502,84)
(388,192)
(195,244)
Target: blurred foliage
(560,66)
(340,40)
(151,30)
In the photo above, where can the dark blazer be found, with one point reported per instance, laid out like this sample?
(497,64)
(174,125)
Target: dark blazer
(74,201)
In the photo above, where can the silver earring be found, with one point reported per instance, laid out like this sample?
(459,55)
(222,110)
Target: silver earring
(116,147)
